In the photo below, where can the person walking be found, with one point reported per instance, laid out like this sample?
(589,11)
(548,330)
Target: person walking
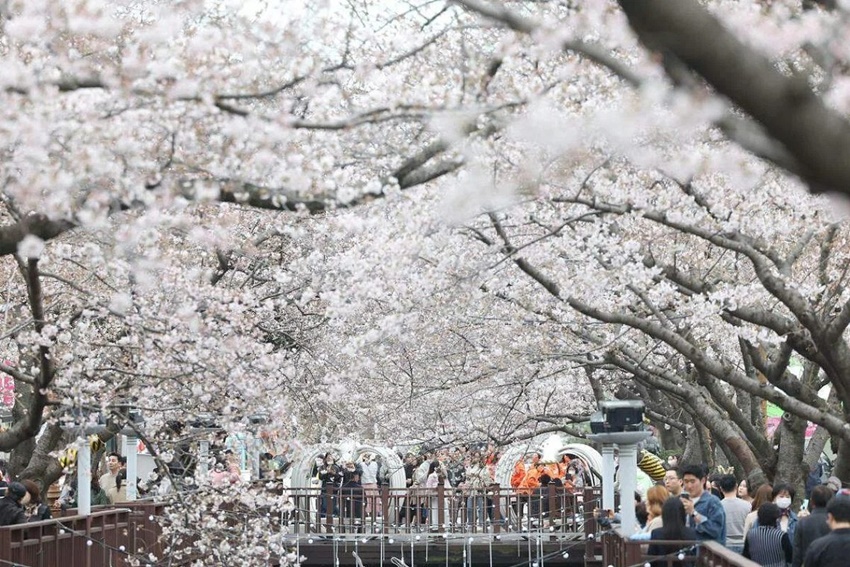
(369,480)
(764,493)
(113,466)
(672,482)
(477,480)
(783,496)
(813,526)
(744,492)
(767,544)
(656,496)
(736,512)
(833,549)
(36,509)
(12,504)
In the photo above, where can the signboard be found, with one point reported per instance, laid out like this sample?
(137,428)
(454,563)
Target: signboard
(7,388)
(774,416)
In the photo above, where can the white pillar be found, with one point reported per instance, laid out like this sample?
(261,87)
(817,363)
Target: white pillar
(628,484)
(608,476)
(130,451)
(203,457)
(84,478)
(255,456)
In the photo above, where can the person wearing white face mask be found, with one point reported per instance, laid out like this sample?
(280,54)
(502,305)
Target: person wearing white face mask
(783,495)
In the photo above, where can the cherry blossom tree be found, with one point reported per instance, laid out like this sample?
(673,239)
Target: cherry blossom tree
(425,220)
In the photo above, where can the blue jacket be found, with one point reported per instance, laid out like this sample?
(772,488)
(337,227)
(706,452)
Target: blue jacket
(713,524)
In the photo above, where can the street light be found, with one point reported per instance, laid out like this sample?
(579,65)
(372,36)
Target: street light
(619,423)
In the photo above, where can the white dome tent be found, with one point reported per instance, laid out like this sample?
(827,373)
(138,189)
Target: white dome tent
(552,448)
(301,472)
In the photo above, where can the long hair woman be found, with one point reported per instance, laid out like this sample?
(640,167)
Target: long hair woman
(764,494)
(656,496)
(673,529)
(767,544)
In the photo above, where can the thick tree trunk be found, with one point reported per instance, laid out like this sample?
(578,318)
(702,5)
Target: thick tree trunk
(42,466)
(815,447)
(790,467)
(20,457)
(842,462)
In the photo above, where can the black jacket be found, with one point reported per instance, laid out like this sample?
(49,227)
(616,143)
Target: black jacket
(41,512)
(808,530)
(832,550)
(688,534)
(11,512)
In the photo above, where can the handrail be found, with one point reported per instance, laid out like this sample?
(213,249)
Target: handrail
(447,510)
(103,537)
(620,550)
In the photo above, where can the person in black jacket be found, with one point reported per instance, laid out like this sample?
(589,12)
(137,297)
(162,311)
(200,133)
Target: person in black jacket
(673,529)
(12,505)
(35,508)
(351,494)
(833,549)
(330,477)
(812,526)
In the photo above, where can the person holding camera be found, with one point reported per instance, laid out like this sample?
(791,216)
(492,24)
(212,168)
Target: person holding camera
(369,480)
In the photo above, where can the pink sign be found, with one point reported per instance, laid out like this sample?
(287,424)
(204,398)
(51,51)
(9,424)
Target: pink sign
(7,388)
(773,422)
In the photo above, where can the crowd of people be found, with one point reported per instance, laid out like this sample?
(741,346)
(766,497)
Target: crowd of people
(21,501)
(467,477)
(760,524)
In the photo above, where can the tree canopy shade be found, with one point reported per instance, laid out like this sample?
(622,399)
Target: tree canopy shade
(427,221)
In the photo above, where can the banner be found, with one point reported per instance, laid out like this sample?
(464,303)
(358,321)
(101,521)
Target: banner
(7,388)
(774,417)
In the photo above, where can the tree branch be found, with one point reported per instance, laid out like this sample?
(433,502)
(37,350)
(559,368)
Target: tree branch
(817,137)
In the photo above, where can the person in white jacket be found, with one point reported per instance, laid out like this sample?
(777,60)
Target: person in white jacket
(369,481)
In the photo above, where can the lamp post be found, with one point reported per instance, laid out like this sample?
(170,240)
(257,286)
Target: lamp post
(204,426)
(83,476)
(84,450)
(253,443)
(618,424)
(130,450)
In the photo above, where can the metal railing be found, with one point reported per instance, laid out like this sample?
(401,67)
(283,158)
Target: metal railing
(444,510)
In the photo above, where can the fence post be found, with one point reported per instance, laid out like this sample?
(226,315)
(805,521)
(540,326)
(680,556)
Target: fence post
(589,503)
(385,508)
(441,506)
(497,507)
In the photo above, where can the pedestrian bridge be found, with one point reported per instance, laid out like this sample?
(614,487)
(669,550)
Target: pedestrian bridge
(413,527)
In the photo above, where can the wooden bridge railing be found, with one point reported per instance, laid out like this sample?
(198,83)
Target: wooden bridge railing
(106,537)
(74,541)
(617,550)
